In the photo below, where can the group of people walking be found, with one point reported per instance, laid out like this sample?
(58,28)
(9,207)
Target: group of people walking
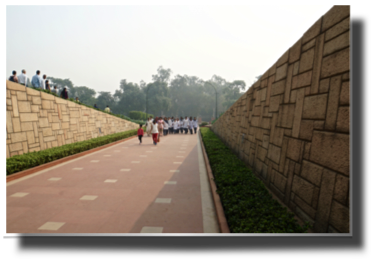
(169,125)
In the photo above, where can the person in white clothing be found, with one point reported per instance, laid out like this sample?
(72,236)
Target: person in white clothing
(170,126)
(176,126)
(148,127)
(185,125)
(165,127)
(155,131)
(191,125)
(195,125)
(181,124)
(23,78)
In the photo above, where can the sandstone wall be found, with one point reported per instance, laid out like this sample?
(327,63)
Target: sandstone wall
(292,126)
(37,121)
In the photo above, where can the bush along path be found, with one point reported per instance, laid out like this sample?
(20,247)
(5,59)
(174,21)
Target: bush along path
(28,160)
(247,204)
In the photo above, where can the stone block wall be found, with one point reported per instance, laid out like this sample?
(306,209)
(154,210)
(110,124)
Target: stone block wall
(292,126)
(37,121)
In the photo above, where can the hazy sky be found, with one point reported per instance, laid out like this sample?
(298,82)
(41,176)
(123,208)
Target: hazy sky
(97,46)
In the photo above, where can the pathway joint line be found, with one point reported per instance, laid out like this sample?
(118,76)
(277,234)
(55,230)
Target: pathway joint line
(20,194)
(51,226)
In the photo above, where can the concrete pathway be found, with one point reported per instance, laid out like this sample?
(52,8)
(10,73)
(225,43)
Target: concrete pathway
(126,188)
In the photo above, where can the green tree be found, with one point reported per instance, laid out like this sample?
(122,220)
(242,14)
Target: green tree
(85,95)
(105,99)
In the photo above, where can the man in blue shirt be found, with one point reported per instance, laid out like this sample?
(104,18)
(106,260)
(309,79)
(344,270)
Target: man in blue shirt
(37,80)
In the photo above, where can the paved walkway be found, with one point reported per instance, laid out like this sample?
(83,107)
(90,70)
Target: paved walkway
(125,188)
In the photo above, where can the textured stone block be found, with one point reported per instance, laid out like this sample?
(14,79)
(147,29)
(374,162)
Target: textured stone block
(334,16)
(30,137)
(338,29)
(36,100)
(318,51)
(325,201)
(288,83)
(296,67)
(315,107)
(283,59)
(266,123)
(345,94)
(47,132)
(341,189)
(43,122)
(18,137)
(286,116)
(339,217)
(60,100)
(279,181)
(46,96)
(15,147)
(319,125)
(306,62)
(293,96)
(21,95)
(278,87)
(46,105)
(334,96)
(281,72)
(306,130)
(26,117)
(337,43)
(55,126)
(261,153)
(49,139)
(15,86)
(274,153)
(24,106)
(312,32)
(265,142)
(16,124)
(294,149)
(324,85)
(263,83)
(295,52)
(274,103)
(310,212)
(336,63)
(311,172)
(298,113)
(331,150)
(343,120)
(26,126)
(35,108)
(263,94)
(33,92)
(15,107)
(303,189)
(308,45)
(302,80)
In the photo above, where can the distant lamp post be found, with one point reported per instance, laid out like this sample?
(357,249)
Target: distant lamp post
(216,92)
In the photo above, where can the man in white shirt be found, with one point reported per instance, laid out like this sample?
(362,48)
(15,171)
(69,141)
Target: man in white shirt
(190,124)
(170,128)
(23,78)
(195,125)
(43,86)
(185,125)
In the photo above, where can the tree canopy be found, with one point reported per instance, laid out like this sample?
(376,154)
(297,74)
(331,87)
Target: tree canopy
(179,95)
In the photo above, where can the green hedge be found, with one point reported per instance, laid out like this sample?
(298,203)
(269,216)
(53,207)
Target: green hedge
(28,160)
(139,115)
(248,206)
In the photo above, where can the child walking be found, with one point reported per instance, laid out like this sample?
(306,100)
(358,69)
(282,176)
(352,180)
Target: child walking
(140,133)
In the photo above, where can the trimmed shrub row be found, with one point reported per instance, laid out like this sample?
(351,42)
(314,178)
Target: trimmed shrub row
(247,204)
(139,115)
(137,121)
(28,160)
